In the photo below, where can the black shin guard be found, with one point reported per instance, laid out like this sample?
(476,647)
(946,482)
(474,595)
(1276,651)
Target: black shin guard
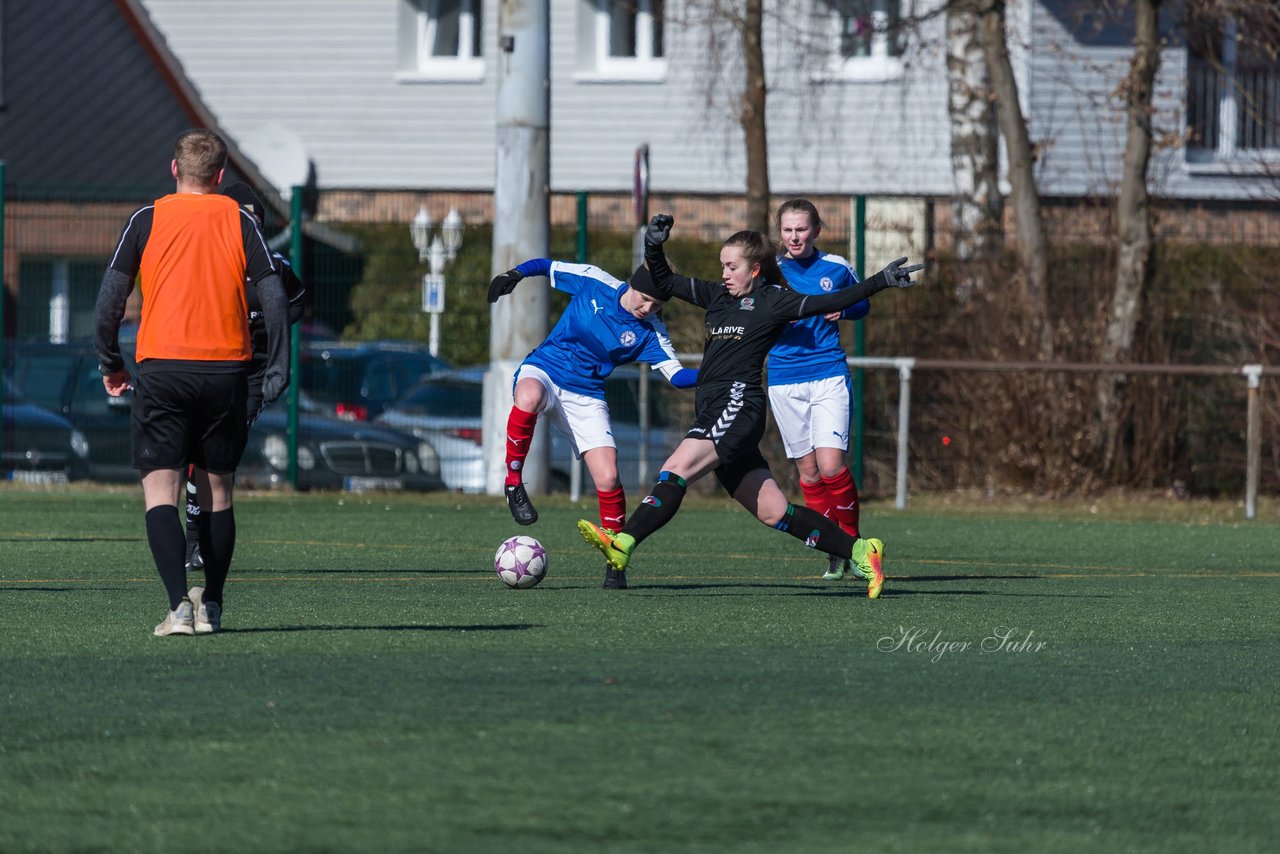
(816,531)
(168,550)
(658,507)
(217,549)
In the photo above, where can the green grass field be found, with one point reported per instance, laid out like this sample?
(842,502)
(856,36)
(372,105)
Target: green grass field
(377,688)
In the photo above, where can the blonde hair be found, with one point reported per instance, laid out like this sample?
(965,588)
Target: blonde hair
(201,155)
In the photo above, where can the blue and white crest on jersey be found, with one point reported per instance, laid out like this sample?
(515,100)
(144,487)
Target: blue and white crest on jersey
(747,304)
(627,338)
(826,283)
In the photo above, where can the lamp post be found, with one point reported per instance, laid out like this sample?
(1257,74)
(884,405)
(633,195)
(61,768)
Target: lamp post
(437,250)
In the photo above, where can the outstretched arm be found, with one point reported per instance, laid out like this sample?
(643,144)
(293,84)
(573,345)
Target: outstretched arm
(505,283)
(893,276)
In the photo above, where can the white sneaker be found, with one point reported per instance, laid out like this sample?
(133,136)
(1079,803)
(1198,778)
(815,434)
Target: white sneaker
(208,617)
(180,621)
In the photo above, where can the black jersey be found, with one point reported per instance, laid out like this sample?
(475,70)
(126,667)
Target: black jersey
(740,331)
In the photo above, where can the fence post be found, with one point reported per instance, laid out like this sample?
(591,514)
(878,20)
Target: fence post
(1253,440)
(575,464)
(4,298)
(904,427)
(859,337)
(295,333)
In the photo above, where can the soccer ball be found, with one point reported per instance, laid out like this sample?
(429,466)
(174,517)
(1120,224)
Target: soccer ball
(521,562)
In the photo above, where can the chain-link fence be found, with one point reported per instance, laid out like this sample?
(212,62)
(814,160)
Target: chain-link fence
(1214,300)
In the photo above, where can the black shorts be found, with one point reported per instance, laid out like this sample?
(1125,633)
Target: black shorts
(186,417)
(732,417)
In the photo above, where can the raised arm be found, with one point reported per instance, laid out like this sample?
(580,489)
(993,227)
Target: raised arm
(659,281)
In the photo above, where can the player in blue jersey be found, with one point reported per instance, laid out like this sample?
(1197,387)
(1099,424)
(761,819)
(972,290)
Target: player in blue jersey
(809,385)
(607,323)
(747,310)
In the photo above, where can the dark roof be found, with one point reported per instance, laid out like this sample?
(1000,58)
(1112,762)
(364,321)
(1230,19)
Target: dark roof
(93,101)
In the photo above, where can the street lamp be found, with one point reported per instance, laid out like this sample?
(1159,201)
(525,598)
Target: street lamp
(437,250)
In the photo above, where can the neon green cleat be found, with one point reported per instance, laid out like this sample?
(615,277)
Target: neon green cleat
(615,547)
(868,557)
(837,567)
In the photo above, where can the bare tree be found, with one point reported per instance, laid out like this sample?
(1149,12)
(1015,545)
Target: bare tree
(752,115)
(1032,245)
(733,31)
(1134,247)
(977,207)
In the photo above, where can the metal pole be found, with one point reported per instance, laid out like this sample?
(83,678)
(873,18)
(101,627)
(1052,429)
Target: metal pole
(859,338)
(521,220)
(1253,440)
(4,298)
(904,428)
(575,464)
(295,334)
(583,224)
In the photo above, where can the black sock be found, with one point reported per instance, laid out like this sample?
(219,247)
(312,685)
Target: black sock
(164,535)
(816,531)
(658,507)
(217,549)
(197,530)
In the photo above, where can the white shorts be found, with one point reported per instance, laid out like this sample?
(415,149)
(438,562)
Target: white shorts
(585,420)
(812,415)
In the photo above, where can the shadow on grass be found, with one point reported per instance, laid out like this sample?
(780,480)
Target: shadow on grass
(271,570)
(72,539)
(6,589)
(501,627)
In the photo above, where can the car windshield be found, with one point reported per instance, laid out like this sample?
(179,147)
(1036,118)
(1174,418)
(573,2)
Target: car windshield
(445,399)
(334,378)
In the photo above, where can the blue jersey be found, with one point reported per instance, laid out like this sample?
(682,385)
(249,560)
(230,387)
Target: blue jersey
(809,349)
(595,333)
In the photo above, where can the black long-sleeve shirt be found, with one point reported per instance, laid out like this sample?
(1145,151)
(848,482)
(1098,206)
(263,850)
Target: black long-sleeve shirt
(740,331)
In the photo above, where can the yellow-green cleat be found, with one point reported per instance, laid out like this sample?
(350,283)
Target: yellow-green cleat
(868,557)
(837,568)
(616,548)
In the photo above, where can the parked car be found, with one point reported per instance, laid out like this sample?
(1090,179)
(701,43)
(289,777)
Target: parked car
(357,382)
(39,446)
(332,453)
(446,409)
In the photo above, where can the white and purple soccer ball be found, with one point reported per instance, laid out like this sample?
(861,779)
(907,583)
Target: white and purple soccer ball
(521,562)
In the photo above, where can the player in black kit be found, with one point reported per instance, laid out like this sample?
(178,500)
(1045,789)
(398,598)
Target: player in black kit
(746,312)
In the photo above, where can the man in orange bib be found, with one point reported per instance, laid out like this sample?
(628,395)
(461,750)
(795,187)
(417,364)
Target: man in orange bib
(192,252)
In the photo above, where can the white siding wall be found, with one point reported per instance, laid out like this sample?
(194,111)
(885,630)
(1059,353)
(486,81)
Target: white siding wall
(318,78)
(291,79)
(1081,126)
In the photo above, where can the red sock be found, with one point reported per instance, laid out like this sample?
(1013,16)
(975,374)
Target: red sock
(844,500)
(815,497)
(519,434)
(613,509)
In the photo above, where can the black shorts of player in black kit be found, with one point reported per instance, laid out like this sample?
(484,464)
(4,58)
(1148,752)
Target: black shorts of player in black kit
(255,403)
(183,417)
(731,415)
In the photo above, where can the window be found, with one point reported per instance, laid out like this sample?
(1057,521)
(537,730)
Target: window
(441,40)
(866,41)
(1233,94)
(627,37)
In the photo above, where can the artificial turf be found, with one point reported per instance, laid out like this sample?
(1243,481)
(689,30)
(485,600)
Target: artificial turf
(1025,683)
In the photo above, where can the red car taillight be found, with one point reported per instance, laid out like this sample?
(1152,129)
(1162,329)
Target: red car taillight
(351,412)
(471,434)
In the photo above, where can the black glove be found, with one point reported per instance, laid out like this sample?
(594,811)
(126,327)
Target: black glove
(899,276)
(504,283)
(273,385)
(658,230)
